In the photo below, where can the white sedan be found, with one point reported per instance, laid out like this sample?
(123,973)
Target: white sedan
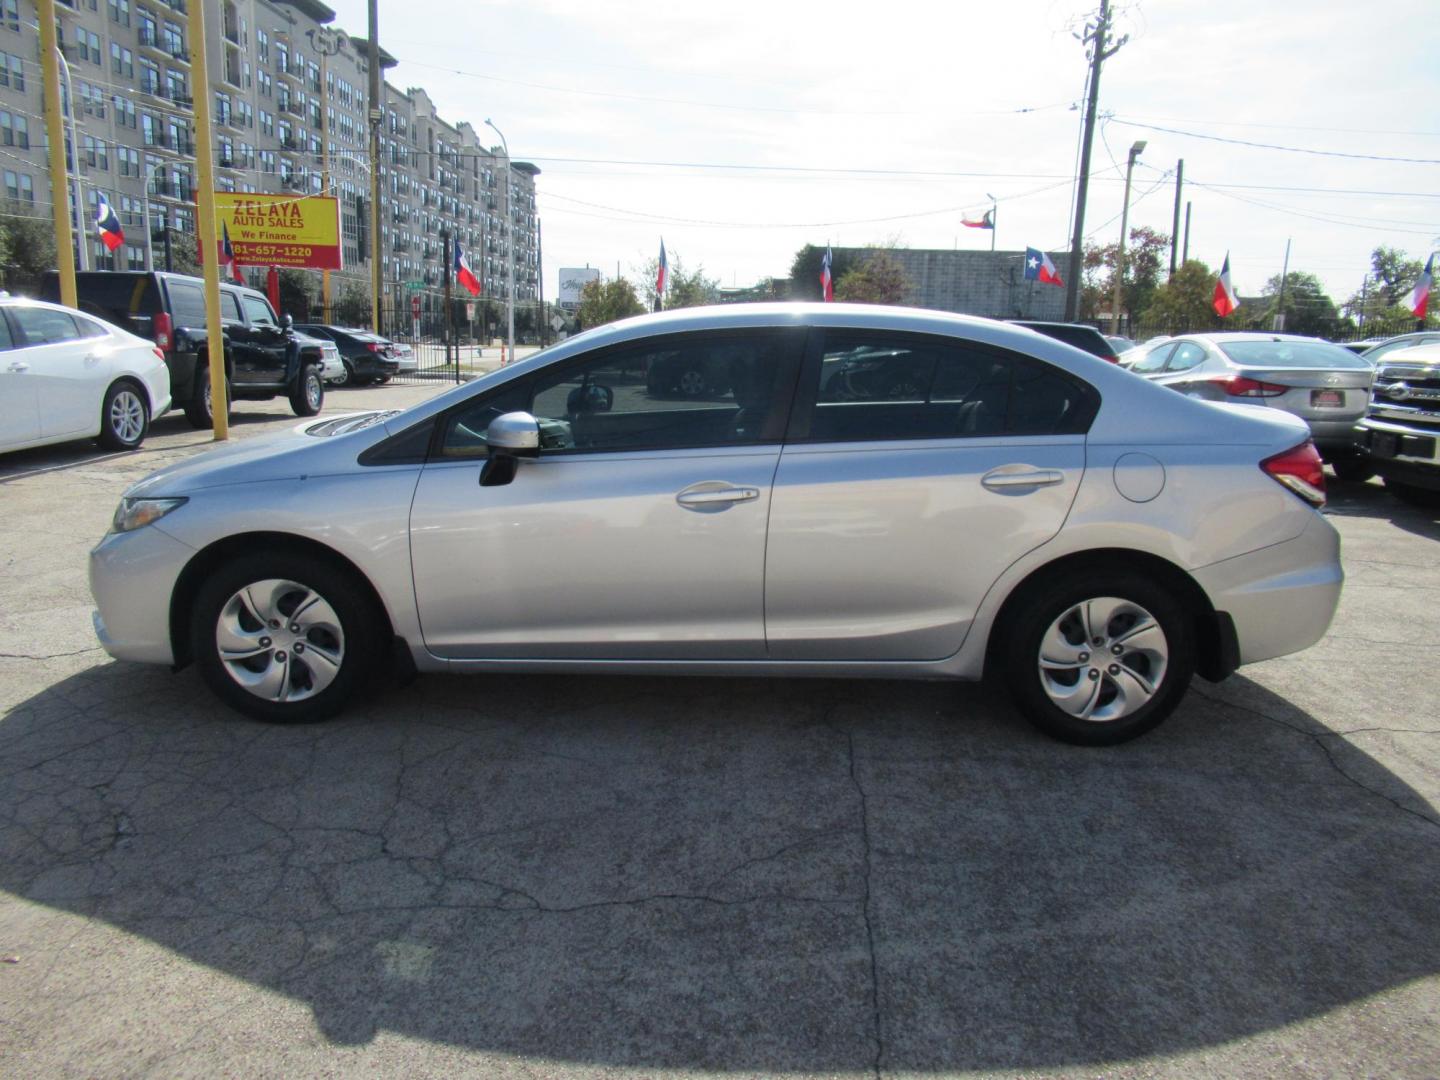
(65,375)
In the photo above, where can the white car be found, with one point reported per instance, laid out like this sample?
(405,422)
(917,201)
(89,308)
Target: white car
(332,368)
(65,375)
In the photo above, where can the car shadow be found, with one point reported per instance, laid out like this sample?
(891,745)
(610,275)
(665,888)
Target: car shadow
(1371,500)
(744,875)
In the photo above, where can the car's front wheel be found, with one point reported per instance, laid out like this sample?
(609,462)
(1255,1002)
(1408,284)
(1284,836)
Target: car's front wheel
(124,417)
(284,637)
(1099,661)
(308,394)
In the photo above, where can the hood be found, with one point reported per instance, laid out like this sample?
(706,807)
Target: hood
(284,455)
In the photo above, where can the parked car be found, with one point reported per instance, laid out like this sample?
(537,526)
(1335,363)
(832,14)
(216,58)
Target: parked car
(1383,348)
(1080,335)
(1087,537)
(1323,384)
(330,366)
(1360,348)
(405,359)
(1400,431)
(262,357)
(365,356)
(66,376)
(1121,345)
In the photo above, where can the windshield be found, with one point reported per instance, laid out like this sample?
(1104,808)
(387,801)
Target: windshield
(1292,354)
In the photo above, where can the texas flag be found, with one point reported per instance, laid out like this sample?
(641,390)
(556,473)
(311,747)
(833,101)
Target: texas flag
(827,281)
(463,274)
(662,271)
(1038,267)
(111,234)
(227,255)
(1419,299)
(987,221)
(1225,299)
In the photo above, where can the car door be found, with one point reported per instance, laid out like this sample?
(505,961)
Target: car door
(264,355)
(917,469)
(637,533)
(68,356)
(19,402)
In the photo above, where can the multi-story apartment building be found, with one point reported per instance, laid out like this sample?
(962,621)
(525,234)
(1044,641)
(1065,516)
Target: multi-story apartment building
(288,93)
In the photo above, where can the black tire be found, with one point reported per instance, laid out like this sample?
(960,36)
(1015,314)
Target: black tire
(360,642)
(382,379)
(309,393)
(1048,601)
(1352,470)
(124,416)
(1424,498)
(197,409)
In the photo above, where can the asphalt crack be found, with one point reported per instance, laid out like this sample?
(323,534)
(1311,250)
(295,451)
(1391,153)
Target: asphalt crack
(1319,739)
(879,1034)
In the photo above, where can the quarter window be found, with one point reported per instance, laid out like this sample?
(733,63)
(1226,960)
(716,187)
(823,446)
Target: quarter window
(1187,355)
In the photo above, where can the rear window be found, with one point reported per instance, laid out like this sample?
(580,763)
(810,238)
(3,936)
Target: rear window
(116,298)
(1292,354)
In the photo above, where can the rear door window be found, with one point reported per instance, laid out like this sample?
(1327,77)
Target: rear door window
(1186,356)
(1154,360)
(43,326)
(876,387)
(187,303)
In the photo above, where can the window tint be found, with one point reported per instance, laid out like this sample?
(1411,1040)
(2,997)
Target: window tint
(870,388)
(258,311)
(1187,355)
(187,304)
(1292,354)
(41,326)
(229,307)
(1154,360)
(6,342)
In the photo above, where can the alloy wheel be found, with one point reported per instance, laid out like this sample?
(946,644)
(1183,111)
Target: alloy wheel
(127,416)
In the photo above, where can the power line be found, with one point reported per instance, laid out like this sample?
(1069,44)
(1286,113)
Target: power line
(1273,146)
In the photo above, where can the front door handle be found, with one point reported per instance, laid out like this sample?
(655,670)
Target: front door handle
(997,479)
(705,497)
(19,365)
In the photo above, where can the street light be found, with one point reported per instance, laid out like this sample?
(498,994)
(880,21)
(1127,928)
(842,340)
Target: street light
(510,218)
(327,45)
(994,212)
(1135,152)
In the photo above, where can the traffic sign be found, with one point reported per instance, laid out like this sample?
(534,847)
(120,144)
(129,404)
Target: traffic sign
(415,306)
(414,286)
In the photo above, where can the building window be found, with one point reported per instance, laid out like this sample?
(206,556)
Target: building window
(14,130)
(134,257)
(120,11)
(122,61)
(11,12)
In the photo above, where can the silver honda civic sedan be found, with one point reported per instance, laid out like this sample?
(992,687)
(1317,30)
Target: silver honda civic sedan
(853,491)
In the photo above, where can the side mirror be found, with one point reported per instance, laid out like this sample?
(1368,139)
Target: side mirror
(511,436)
(287,321)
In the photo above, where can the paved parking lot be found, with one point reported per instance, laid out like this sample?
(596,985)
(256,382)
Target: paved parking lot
(603,876)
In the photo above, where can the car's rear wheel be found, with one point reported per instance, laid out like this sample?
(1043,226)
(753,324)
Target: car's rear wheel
(199,410)
(1098,661)
(124,417)
(284,637)
(309,392)
(692,382)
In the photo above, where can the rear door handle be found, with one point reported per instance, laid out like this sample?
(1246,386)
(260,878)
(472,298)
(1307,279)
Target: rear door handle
(996,480)
(711,496)
(19,365)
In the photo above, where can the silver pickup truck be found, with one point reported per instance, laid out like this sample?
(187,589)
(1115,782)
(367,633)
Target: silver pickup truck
(1400,432)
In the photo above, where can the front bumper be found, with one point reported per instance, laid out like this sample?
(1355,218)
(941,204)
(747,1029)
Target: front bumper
(132,577)
(1400,452)
(1281,597)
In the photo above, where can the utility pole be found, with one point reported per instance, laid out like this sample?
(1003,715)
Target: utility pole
(1185,251)
(449,267)
(1280,305)
(540,277)
(205,222)
(377,112)
(1097,36)
(1175,224)
(55,133)
(1115,302)
(75,158)
(326,45)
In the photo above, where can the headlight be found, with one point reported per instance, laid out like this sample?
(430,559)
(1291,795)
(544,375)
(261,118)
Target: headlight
(137,513)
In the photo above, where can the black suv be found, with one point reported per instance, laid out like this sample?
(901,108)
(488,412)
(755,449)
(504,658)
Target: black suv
(262,357)
(1078,334)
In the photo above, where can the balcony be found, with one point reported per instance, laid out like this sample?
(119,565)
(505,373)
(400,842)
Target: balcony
(181,99)
(176,51)
(292,182)
(289,143)
(167,189)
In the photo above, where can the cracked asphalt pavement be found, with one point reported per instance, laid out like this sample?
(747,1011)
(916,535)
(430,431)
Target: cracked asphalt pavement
(587,877)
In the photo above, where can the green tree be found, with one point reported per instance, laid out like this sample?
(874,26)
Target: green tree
(184,253)
(683,290)
(31,242)
(1146,256)
(1185,303)
(605,301)
(805,271)
(350,306)
(1378,307)
(879,279)
(1307,307)
(297,293)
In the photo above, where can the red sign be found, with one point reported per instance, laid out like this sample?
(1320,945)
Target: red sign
(415,306)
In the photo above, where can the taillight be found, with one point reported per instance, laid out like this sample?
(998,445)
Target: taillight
(1239,386)
(1300,470)
(373,346)
(159,352)
(164,330)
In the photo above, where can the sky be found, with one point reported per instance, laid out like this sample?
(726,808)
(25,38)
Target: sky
(741,131)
